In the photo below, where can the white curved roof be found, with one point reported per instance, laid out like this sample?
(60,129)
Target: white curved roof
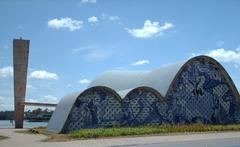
(122,81)
(123,93)
(61,112)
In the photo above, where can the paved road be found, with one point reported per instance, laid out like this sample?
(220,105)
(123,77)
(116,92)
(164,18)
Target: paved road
(228,139)
(229,142)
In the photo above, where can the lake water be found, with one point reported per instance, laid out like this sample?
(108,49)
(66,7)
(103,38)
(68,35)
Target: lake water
(26,124)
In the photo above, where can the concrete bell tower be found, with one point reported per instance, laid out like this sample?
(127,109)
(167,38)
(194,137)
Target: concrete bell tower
(20,61)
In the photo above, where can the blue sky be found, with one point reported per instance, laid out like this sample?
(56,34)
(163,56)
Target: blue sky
(74,41)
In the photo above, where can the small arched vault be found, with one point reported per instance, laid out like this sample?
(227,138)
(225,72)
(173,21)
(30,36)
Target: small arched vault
(196,91)
(95,107)
(143,105)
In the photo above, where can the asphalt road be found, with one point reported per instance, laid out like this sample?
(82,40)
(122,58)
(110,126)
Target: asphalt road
(223,139)
(226,142)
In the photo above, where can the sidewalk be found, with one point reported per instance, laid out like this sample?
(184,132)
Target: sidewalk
(34,140)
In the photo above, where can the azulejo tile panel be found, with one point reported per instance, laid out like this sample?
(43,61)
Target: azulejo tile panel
(202,94)
(98,107)
(143,106)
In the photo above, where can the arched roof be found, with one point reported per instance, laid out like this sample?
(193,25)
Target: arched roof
(124,81)
(124,92)
(61,112)
(118,97)
(160,79)
(150,89)
(120,80)
(216,64)
(65,106)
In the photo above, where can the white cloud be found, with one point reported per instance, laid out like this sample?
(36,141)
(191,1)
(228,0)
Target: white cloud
(88,1)
(96,54)
(6,103)
(150,29)
(66,22)
(50,99)
(1,98)
(30,86)
(45,99)
(112,18)
(222,55)
(85,48)
(84,81)
(93,19)
(225,55)
(32,100)
(6,71)
(140,62)
(92,52)
(43,75)
(109,17)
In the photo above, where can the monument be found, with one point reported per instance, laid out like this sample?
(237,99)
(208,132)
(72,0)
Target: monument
(20,61)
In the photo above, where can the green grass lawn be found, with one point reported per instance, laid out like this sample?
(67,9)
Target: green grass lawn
(133,131)
(148,130)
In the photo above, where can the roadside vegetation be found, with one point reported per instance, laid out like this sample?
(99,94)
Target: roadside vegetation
(148,130)
(133,131)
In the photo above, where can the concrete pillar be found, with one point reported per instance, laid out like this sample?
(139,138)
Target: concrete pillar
(20,61)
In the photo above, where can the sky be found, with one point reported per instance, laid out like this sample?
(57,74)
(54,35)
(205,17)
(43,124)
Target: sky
(71,42)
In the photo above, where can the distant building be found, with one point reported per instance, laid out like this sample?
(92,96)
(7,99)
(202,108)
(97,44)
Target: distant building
(196,91)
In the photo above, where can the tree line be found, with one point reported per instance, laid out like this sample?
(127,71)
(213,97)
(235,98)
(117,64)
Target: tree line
(9,115)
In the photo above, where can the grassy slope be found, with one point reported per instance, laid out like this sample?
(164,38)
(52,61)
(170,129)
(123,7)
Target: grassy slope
(148,130)
(134,131)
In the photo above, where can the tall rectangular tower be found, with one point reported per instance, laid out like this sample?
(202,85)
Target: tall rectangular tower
(20,61)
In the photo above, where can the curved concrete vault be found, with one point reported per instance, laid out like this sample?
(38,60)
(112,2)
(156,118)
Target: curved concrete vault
(198,90)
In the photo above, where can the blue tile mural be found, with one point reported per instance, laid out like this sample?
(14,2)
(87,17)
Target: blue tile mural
(200,94)
(96,107)
(143,106)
